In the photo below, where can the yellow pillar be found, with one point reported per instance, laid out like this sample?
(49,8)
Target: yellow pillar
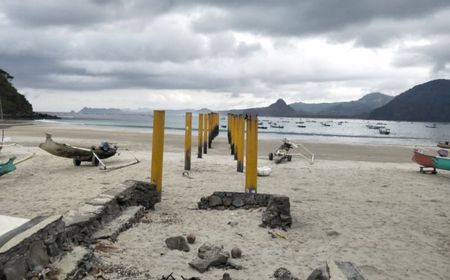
(251,160)
(241,144)
(228,128)
(157,149)
(188,141)
(200,135)
(236,137)
(205,133)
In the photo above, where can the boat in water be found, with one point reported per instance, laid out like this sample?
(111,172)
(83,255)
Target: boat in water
(431,125)
(276,126)
(384,131)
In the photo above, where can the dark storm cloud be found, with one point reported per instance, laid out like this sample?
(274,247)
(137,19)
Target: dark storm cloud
(100,44)
(298,18)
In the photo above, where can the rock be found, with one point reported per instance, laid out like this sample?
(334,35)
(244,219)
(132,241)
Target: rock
(278,213)
(177,243)
(226,276)
(237,202)
(233,265)
(38,254)
(214,201)
(283,274)
(226,201)
(319,274)
(209,255)
(190,238)
(236,253)
(234,223)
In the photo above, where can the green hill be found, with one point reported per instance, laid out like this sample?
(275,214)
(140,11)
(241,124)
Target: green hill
(14,104)
(428,102)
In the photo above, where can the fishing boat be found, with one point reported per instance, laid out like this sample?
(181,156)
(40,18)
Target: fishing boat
(301,126)
(444,144)
(262,127)
(7,167)
(94,153)
(275,125)
(441,163)
(385,131)
(80,153)
(431,125)
(372,126)
(426,161)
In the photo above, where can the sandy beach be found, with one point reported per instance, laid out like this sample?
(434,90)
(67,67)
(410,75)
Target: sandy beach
(359,203)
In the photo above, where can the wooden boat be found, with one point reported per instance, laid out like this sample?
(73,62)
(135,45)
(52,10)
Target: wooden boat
(426,161)
(444,145)
(262,127)
(79,153)
(7,167)
(441,163)
(94,154)
(431,125)
(301,126)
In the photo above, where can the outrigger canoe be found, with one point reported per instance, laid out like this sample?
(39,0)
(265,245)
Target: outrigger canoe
(78,153)
(7,167)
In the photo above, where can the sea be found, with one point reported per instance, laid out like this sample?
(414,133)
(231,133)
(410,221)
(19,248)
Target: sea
(346,131)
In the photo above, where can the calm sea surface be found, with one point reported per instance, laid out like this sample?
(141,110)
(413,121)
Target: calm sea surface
(338,131)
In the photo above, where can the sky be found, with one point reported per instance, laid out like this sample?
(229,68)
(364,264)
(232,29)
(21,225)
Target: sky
(176,54)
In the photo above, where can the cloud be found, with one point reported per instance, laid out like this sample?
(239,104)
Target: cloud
(253,51)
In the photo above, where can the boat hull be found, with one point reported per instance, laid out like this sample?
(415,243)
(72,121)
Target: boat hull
(79,153)
(441,163)
(422,159)
(7,167)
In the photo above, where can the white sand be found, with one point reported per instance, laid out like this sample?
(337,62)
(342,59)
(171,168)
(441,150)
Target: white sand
(390,220)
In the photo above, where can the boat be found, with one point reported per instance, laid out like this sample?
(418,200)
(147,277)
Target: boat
(444,144)
(276,126)
(426,161)
(385,131)
(431,125)
(223,126)
(7,167)
(441,163)
(301,126)
(262,127)
(372,126)
(80,153)
(325,124)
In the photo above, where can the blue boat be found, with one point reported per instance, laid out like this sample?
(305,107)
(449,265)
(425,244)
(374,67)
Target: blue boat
(441,162)
(7,166)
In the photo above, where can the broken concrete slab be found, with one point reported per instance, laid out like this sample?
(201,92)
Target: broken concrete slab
(124,221)
(209,256)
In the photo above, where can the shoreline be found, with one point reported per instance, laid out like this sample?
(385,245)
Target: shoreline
(383,211)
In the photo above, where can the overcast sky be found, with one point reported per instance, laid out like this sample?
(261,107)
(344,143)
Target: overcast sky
(173,54)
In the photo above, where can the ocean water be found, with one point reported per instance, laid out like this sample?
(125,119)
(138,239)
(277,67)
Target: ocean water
(339,130)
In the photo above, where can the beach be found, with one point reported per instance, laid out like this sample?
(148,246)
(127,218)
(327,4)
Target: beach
(366,204)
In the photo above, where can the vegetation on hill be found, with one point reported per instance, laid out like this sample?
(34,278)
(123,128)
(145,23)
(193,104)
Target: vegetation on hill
(14,104)
(428,102)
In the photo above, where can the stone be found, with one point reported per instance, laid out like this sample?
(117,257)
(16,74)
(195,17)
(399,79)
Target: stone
(238,202)
(38,255)
(236,253)
(227,201)
(208,256)
(15,268)
(319,274)
(226,276)
(177,243)
(214,201)
(277,213)
(283,274)
(190,238)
